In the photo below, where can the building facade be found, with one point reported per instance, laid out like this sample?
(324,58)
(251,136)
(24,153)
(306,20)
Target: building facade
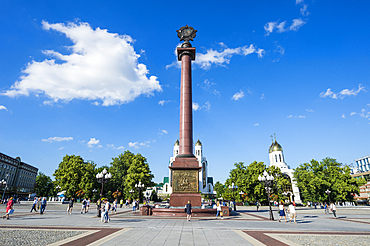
(363,164)
(19,176)
(277,159)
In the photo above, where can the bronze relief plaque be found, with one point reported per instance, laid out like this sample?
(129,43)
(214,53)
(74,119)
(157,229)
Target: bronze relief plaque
(185,181)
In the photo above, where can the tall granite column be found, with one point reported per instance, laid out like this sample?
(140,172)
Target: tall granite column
(185,55)
(185,168)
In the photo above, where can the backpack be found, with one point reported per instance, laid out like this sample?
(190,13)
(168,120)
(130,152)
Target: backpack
(84,202)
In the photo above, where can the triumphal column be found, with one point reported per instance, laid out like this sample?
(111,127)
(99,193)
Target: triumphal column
(185,168)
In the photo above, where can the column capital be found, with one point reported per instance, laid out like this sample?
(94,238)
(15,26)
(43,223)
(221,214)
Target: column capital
(186,51)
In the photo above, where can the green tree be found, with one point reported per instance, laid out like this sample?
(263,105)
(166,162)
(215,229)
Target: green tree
(314,178)
(73,174)
(118,169)
(138,171)
(220,189)
(44,185)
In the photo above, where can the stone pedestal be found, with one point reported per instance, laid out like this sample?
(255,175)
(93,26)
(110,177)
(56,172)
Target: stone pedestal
(181,199)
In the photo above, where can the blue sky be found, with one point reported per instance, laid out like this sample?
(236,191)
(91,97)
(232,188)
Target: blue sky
(96,78)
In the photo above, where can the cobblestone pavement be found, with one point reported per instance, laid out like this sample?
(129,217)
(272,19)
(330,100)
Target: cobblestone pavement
(245,227)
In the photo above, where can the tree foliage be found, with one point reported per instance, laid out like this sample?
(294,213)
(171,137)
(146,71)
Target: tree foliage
(74,174)
(44,185)
(219,188)
(314,178)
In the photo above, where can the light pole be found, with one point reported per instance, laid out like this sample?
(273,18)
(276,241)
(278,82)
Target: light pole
(233,187)
(328,193)
(268,181)
(139,186)
(4,183)
(102,178)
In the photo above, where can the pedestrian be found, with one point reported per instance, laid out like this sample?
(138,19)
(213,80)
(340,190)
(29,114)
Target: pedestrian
(258,205)
(83,206)
(114,207)
(9,208)
(34,205)
(70,206)
(282,211)
(43,205)
(292,213)
(219,210)
(88,205)
(333,208)
(127,203)
(325,207)
(106,211)
(121,203)
(134,205)
(137,204)
(38,203)
(188,211)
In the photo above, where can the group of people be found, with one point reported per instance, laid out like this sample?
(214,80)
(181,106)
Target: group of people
(292,212)
(39,204)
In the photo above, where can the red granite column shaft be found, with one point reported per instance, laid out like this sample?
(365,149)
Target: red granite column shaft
(186,116)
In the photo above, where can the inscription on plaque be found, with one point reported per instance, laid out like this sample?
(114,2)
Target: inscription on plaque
(185,181)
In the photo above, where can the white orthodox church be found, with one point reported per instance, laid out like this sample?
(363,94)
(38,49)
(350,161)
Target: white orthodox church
(205,182)
(277,159)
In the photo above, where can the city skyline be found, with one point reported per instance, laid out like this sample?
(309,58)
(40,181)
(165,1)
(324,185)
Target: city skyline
(96,79)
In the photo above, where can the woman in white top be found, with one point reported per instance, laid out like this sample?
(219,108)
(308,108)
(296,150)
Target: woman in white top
(292,213)
(333,208)
(282,211)
(219,210)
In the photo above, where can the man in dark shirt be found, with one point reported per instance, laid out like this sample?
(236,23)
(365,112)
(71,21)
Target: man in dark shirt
(70,206)
(188,210)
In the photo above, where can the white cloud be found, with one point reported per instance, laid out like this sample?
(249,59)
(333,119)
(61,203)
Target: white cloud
(61,148)
(310,110)
(113,147)
(280,49)
(102,67)
(57,139)
(163,102)
(297,23)
(2,107)
(165,132)
(343,93)
(299,1)
(343,116)
(137,145)
(365,114)
(297,116)
(353,113)
(206,85)
(256,124)
(304,11)
(262,96)
(206,106)
(221,58)
(271,26)
(238,95)
(92,142)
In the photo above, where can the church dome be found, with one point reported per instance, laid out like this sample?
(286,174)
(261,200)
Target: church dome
(198,143)
(275,147)
(177,143)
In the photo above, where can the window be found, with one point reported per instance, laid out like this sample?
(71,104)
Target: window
(275,158)
(280,157)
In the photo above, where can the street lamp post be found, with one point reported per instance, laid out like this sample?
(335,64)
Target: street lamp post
(102,178)
(233,187)
(4,183)
(139,186)
(268,181)
(328,193)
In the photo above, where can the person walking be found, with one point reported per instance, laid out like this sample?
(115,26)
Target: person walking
(219,210)
(282,211)
(292,213)
(188,211)
(34,205)
(9,208)
(258,204)
(134,205)
(333,208)
(38,203)
(114,207)
(83,206)
(106,211)
(121,203)
(43,205)
(70,206)
(88,205)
